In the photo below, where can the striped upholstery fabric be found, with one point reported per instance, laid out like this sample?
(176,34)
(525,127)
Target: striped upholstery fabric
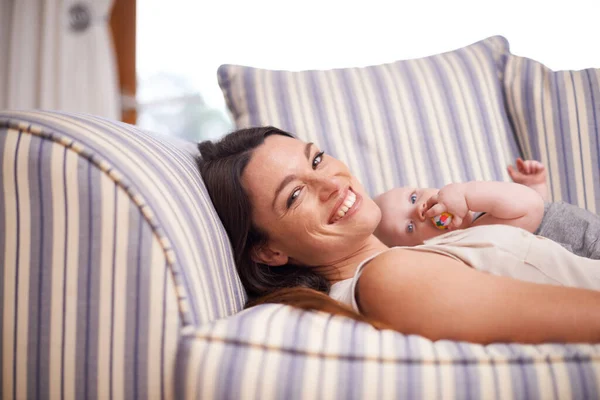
(109,248)
(275,352)
(424,122)
(557,118)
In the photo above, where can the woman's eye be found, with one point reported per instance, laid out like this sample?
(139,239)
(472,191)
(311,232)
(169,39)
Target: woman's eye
(413,198)
(410,228)
(318,159)
(293,197)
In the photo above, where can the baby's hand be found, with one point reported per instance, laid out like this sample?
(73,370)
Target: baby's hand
(528,173)
(451,198)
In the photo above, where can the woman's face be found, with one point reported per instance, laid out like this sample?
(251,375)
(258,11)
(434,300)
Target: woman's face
(309,204)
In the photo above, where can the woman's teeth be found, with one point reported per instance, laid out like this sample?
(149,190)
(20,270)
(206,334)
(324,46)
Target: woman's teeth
(346,205)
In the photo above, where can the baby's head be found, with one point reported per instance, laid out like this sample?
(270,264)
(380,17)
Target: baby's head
(402,217)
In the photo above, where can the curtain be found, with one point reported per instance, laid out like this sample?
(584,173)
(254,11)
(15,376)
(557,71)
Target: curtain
(58,55)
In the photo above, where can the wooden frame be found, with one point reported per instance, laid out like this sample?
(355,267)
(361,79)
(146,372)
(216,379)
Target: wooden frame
(123,27)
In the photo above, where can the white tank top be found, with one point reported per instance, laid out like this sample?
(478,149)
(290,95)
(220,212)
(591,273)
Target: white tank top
(500,250)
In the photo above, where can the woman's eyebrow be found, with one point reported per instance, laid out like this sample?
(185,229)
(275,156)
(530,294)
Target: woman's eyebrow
(290,178)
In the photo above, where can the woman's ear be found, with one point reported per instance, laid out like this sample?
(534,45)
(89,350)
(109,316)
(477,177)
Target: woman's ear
(266,255)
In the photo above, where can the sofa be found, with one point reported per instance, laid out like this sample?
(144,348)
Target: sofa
(117,279)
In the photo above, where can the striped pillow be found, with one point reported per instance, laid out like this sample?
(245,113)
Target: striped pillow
(422,122)
(556,116)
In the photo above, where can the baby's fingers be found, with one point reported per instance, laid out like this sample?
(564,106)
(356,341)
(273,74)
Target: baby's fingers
(456,222)
(437,209)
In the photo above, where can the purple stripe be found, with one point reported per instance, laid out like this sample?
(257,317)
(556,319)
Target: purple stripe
(595,132)
(3,195)
(36,230)
(470,387)
(545,135)
(18,229)
(529,110)
(522,373)
(561,122)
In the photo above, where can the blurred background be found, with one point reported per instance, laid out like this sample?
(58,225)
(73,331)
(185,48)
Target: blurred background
(153,62)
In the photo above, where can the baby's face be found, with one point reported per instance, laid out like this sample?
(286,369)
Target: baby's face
(402,221)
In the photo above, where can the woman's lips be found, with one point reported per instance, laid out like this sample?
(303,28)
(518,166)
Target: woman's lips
(345,206)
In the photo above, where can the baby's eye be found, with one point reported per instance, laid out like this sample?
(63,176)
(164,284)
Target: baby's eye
(413,198)
(410,227)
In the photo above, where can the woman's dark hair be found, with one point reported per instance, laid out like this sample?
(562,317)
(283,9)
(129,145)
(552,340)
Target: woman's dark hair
(222,164)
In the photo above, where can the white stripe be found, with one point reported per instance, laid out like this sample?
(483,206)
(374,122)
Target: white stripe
(447,371)
(389,371)
(10,262)
(58,269)
(107,235)
(155,316)
(24,263)
(120,294)
(72,267)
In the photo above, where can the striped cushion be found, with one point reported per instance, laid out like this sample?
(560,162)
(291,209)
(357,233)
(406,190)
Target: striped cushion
(109,246)
(423,122)
(275,352)
(556,116)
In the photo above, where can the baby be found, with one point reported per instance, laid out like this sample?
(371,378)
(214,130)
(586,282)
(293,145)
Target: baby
(407,213)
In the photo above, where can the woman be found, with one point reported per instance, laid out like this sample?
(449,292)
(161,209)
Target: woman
(298,218)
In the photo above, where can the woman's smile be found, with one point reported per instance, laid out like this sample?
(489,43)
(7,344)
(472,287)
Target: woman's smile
(346,206)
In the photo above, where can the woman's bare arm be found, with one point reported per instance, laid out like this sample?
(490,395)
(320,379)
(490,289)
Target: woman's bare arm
(441,298)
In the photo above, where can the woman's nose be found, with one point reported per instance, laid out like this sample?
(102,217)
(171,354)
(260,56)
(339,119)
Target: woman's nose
(327,187)
(420,209)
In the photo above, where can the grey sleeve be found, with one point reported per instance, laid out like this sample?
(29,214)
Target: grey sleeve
(576,229)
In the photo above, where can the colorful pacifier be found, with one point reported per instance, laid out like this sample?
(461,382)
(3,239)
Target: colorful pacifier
(442,221)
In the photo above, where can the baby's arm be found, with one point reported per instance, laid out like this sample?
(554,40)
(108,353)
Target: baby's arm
(503,203)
